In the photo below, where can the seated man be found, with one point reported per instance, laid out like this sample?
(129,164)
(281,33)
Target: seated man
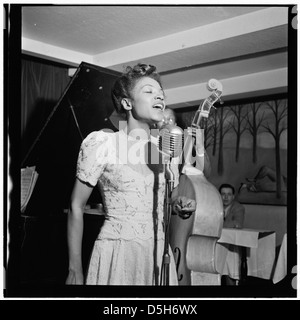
(234,214)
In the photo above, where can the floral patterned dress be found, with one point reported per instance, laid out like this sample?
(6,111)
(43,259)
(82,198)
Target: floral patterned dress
(130,244)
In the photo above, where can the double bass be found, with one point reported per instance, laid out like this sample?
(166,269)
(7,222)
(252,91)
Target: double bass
(193,241)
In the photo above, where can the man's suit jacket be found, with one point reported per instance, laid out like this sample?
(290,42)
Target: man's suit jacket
(235,216)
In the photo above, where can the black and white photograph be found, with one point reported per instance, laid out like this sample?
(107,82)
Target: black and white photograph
(151,152)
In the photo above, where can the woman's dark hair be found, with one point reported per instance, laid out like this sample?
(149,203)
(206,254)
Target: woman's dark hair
(125,83)
(227,185)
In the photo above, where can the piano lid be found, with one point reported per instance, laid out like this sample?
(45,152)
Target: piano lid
(85,106)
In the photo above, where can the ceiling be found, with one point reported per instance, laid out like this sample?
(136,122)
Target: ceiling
(244,47)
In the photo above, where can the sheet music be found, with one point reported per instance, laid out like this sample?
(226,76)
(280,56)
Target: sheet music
(28,180)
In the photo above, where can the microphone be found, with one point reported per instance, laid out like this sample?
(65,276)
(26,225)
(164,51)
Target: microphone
(170,141)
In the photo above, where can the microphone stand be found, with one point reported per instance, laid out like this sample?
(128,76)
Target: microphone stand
(170,144)
(169,186)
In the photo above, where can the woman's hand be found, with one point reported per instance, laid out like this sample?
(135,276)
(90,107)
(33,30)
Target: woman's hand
(184,207)
(75,277)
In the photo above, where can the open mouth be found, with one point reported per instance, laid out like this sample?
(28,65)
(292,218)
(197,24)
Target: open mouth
(159,106)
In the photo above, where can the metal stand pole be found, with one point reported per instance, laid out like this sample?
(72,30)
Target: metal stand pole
(165,274)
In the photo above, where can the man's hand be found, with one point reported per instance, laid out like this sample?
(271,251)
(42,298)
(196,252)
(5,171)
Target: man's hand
(184,207)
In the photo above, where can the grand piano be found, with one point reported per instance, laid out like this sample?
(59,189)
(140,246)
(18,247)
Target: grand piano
(85,106)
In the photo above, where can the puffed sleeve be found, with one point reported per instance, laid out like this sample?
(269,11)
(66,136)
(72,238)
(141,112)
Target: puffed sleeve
(93,157)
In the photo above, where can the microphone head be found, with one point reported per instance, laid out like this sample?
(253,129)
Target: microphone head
(170,140)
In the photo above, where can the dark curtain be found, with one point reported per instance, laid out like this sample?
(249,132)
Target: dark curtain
(42,84)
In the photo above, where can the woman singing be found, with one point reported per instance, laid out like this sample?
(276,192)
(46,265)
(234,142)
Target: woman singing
(130,245)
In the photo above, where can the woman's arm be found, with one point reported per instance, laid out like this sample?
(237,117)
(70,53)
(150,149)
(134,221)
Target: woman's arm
(80,195)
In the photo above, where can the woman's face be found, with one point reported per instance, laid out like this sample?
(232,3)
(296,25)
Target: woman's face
(148,101)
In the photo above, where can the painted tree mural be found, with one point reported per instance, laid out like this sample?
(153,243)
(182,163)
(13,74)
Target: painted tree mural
(254,121)
(275,129)
(209,132)
(223,127)
(213,120)
(238,126)
(242,139)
